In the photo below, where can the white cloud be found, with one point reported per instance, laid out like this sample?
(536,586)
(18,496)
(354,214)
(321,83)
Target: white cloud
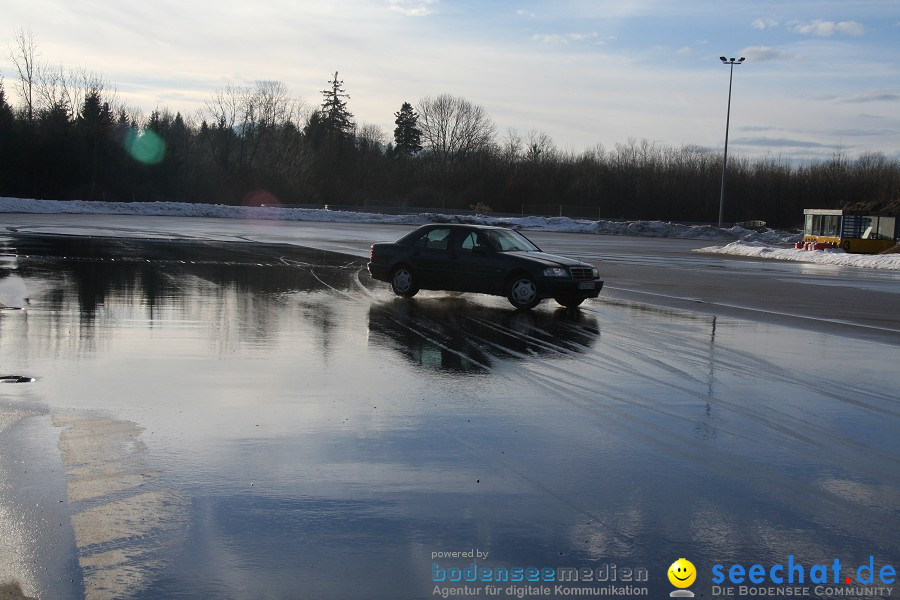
(548,38)
(765,53)
(412,8)
(767,23)
(875,96)
(685,50)
(779,142)
(578,37)
(827,28)
(565,38)
(525,13)
(851,28)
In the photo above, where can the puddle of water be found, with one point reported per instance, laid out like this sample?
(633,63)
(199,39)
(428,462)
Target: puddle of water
(291,429)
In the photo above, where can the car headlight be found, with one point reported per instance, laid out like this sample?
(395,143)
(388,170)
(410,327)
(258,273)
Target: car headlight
(555,272)
(595,272)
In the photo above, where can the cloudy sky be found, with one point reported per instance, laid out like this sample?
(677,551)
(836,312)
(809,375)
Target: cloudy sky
(821,75)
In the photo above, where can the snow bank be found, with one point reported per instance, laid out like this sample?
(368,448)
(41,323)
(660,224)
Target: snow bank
(187,209)
(834,256)
(694,232)
(561,224)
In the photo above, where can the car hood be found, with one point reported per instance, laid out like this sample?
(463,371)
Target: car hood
(548,260)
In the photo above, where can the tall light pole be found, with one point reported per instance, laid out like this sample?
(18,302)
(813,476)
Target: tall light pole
(732,62)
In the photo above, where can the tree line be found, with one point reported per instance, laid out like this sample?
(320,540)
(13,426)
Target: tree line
(69,137)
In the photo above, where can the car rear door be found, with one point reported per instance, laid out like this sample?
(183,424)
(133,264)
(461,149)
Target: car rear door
(430,257)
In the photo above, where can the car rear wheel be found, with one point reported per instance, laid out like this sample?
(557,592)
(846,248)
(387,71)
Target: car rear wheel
(403,282)
(522,292)
(569,302)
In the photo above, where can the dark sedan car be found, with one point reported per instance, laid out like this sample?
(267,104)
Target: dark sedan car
(486,260)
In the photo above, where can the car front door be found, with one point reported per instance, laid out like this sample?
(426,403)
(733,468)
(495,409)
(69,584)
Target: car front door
(475,267)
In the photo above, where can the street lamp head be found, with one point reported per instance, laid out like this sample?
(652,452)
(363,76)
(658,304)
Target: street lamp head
(731,59)
(723,59)
(742,59)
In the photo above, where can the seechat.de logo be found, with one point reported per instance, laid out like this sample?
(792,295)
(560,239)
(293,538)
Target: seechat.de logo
(682,574)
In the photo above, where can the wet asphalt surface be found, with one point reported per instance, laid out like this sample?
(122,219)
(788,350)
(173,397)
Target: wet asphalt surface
(233,421)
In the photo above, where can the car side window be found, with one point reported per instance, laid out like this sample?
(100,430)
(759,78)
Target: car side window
(436,239)
(473,241)
(496,241)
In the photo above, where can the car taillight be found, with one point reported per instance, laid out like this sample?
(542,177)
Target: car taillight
(372,252)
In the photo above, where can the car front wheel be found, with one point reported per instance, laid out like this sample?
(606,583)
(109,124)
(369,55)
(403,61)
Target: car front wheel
(522,292)
(403,282)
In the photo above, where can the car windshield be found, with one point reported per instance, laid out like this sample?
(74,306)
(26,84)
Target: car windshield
(510,241)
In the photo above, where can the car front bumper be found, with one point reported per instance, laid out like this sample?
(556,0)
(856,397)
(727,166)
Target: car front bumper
(555,288)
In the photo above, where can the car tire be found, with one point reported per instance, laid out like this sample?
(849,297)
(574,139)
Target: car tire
(569,302)
(522,292)
(403,281)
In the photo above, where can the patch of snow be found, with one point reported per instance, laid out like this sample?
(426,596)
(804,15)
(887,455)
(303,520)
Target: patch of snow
(658,229)
(832,256)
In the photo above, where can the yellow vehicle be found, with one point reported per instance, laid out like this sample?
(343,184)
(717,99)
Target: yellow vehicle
(854,231)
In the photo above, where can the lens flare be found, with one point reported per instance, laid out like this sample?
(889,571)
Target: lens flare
(260,198)
(145,146)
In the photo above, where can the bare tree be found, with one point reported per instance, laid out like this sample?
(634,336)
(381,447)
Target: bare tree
(222,111)
(511,149)
(51,90)
(275,105)
(243,108)
(539,146)
(223,107)
(370,137)
(535,146)
(83,83)
(268,110)
(245,118)
(452,127)
(61,88)
(24,57)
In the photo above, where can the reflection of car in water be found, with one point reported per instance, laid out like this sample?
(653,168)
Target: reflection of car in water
(486,260)
(447,334)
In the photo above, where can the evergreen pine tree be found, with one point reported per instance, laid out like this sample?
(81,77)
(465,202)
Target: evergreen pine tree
(7,118)
(407,136)
(8,144)
(94,124)
(337,119)
(5,108)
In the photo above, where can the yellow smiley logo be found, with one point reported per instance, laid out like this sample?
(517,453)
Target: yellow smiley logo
(682,573)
